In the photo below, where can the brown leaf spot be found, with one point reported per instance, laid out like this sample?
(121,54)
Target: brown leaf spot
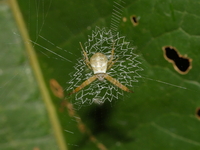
(124,19)
(36,148)
(56,89)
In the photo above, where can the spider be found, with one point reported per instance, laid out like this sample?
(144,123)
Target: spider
(100,64)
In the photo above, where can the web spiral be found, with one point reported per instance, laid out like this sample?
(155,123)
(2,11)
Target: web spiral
(126,69)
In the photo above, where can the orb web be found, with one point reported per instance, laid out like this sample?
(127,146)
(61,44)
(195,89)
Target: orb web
(126,69)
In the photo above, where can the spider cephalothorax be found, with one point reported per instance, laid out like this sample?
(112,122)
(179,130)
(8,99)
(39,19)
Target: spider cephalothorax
(100,64)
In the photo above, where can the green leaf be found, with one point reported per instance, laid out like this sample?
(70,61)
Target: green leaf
(160,114)
(24,122)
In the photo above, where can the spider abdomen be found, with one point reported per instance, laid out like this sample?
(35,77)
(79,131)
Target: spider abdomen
(98,63)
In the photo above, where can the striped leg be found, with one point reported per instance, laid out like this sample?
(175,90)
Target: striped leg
(117,83)
(85,83)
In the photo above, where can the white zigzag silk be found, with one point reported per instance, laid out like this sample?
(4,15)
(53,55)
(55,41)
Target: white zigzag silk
(126,70)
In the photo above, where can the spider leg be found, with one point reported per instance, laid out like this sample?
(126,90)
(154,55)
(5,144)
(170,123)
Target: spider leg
(112,54)
(85,83)
(87,62)
(112,63)
(117,83)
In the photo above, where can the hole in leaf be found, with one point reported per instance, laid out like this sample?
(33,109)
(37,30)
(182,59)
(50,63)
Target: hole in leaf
(198,113)
(134,20)
(182,64)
